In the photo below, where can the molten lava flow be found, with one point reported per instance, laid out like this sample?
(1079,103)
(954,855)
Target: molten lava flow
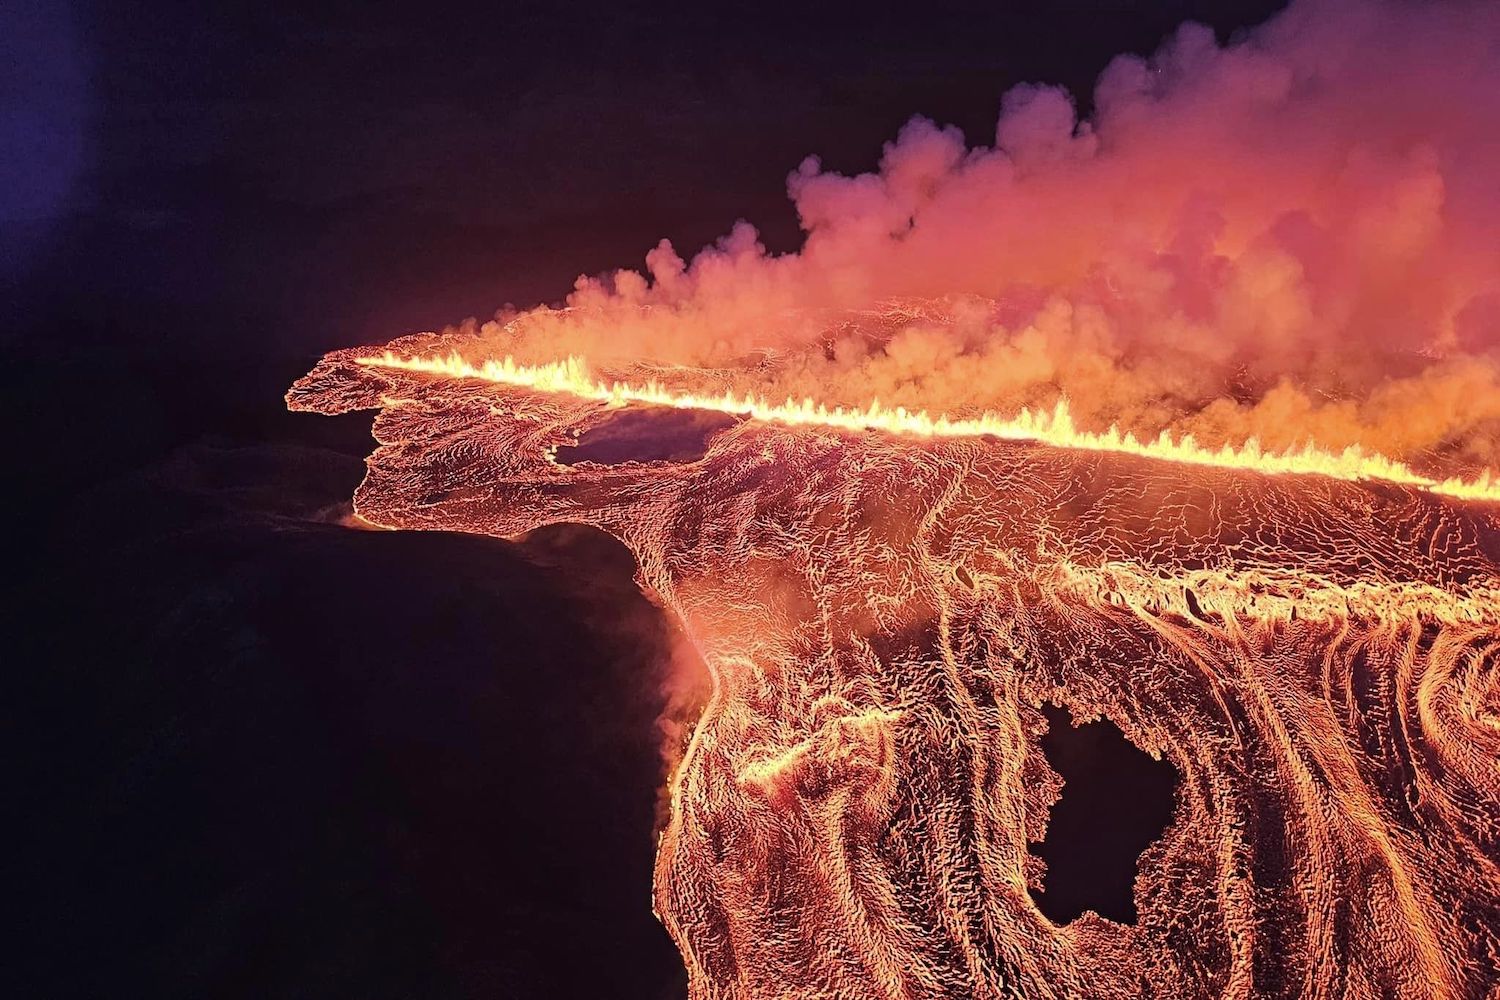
(1287,239)
(883,616)
(1055,428)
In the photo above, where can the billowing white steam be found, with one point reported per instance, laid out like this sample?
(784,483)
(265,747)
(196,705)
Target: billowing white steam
(1293,237)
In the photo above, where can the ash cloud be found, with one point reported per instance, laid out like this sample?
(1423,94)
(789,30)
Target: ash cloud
(1294,236)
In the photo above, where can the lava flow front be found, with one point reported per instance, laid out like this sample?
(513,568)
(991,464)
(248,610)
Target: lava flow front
(1316,651)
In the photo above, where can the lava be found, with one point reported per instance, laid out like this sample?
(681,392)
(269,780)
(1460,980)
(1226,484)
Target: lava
(1055,428)
(1216,376)
(1316,651)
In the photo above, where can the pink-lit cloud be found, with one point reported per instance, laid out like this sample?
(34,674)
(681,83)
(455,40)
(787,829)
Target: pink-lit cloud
(1293,236)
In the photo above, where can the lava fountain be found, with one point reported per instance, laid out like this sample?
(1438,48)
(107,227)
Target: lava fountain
(1190,416)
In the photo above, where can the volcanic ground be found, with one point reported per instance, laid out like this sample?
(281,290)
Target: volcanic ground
(885,618)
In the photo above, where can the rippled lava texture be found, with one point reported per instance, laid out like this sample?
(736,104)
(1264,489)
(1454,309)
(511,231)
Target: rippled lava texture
(883,618)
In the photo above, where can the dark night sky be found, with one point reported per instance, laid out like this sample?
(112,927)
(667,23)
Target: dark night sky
(232,783)
(283,178)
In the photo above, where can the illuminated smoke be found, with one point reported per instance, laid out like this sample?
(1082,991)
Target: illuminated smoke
(1290,237)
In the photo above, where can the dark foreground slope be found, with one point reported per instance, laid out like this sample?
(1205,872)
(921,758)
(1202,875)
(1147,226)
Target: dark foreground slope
(232,780)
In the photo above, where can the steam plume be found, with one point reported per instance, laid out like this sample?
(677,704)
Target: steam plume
(1291,237)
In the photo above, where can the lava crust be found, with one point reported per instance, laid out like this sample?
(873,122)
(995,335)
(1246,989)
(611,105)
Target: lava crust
(884,617)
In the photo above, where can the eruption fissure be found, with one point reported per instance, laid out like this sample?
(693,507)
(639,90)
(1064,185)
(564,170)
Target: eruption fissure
(1056,428)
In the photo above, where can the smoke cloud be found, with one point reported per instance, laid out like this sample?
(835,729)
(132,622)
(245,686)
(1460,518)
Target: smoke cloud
(1293,237)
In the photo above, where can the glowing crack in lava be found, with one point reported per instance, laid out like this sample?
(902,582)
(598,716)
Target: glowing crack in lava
(883,614)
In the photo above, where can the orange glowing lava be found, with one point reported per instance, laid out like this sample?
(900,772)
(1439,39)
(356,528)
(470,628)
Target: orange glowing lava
(882,616)
(1056,428)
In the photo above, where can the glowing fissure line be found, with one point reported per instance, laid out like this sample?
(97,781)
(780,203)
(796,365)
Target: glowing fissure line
(1055,428)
